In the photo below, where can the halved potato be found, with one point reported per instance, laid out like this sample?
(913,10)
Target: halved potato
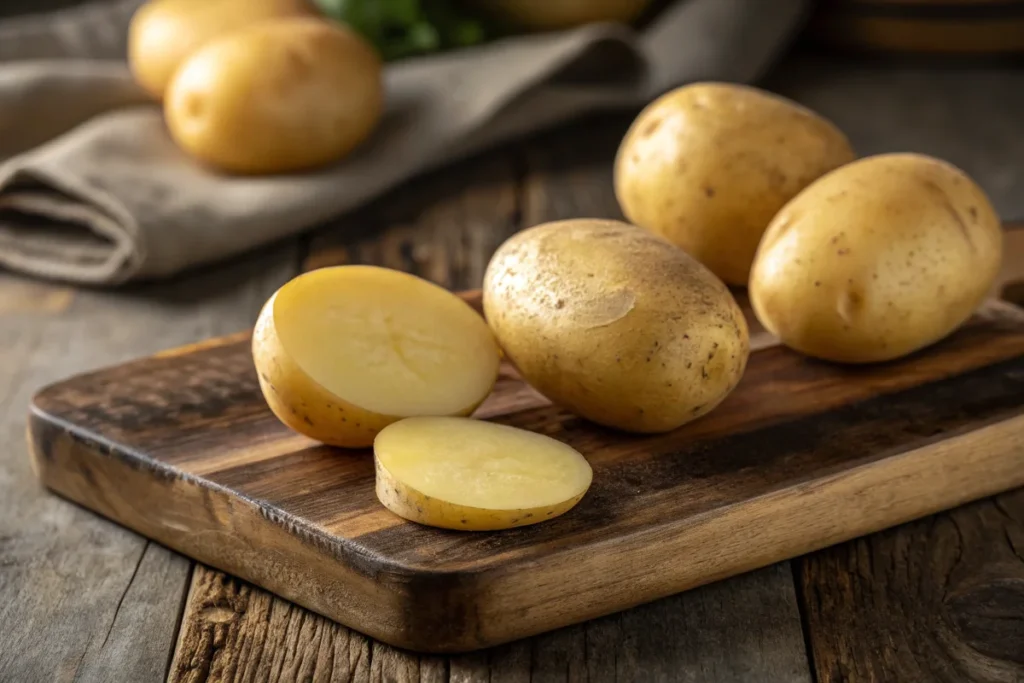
(460,473)
(343,352)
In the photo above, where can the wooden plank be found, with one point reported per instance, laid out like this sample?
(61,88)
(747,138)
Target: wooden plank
(80,598)
(443,227)
(184,449)
(941,599)
(233,631)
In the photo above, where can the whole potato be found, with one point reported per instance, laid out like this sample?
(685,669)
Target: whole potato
(277,96)
(546,15)
(615,324)
(877,259)
(707,166)
(163,33)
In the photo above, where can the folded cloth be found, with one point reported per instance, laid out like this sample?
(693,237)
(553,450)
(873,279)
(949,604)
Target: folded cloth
(92,189)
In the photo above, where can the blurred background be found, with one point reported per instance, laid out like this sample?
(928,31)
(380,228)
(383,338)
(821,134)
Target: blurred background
(940,77)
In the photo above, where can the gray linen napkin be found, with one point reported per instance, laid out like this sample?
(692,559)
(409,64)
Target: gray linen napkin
(92,190)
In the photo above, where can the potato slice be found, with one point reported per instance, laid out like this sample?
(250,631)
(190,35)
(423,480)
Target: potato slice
(342,352)
(459,473)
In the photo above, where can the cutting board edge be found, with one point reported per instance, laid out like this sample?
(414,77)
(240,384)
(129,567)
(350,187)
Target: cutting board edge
(400,609)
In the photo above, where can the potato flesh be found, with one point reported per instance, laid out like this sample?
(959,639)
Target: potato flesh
(387,342)
(464,473)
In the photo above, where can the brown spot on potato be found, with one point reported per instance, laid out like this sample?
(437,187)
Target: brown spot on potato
(709,192)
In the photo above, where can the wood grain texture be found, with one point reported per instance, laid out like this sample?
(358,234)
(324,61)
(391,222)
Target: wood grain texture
(80,598)
(941,599)
(183,449)
(847,451)
(233,631)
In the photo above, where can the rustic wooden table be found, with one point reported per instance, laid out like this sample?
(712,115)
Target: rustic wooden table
(940,599)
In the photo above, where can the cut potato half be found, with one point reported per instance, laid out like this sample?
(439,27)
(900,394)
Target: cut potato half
(460,473)
(343,352)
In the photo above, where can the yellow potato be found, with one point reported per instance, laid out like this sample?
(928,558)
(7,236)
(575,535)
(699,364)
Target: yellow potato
(163,33)
(708,165)
(877,259)
(615,324)
(343,352)
(278,96)
(545,15)
(459,473)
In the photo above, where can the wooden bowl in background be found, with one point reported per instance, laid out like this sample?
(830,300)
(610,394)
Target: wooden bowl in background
(926,27)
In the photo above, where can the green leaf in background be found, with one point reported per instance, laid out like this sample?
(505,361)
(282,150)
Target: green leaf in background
(406,28)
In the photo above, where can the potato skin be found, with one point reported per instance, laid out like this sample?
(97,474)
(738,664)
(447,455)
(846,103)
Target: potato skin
(877,259)
(409,503)
(163,33)
(277,96)
(300,402)
(708,165)
(615,324)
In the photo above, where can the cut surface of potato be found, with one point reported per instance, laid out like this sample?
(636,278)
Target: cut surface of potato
(344,351)
(460,473)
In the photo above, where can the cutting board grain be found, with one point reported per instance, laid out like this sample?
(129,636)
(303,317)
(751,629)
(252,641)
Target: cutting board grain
(181,447)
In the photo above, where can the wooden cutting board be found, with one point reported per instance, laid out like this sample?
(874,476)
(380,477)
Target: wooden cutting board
(804,454)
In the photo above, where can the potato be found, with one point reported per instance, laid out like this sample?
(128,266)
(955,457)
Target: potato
(163,33)
(459,473)
(546,15)
(343,352)
(877,259)
(277,96)
(615,324)
(708,165)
